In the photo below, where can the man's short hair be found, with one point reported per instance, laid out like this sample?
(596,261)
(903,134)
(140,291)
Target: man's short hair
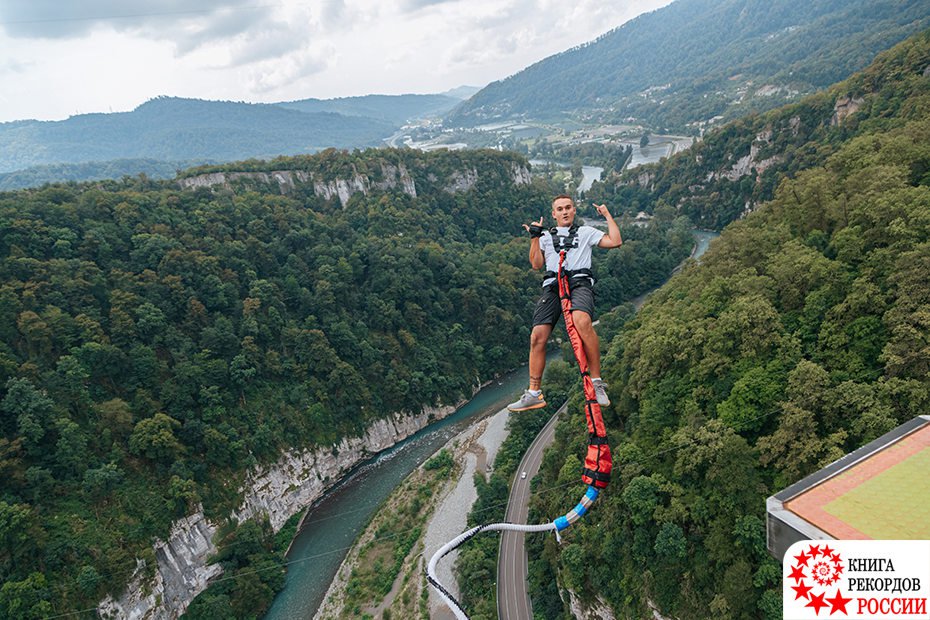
(561,196)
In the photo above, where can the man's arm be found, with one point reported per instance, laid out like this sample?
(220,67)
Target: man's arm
(537,260)
(612,239)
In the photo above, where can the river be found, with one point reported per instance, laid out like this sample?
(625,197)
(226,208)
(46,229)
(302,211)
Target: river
(589,174)
(333,523)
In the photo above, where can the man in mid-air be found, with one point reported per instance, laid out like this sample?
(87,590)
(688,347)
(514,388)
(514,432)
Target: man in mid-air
(545,247)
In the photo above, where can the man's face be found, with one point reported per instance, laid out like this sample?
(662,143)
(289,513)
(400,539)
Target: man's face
(563,211)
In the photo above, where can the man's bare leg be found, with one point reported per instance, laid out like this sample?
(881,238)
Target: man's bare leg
(590,341)
(533,397)
(538,339)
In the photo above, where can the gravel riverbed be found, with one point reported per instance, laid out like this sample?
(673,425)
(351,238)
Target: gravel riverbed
(473,449)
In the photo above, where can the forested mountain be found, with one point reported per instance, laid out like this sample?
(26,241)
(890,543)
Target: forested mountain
(395,109)
(697,59)
(170,128)
(740,165)
(156,343)
(800,337)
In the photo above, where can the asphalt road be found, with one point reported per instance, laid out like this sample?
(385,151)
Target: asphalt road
(513,602)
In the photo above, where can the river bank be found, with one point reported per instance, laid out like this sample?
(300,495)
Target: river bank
(334,523)
(444,518)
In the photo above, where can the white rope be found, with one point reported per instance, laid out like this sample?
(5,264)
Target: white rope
(450,546)
(559,524)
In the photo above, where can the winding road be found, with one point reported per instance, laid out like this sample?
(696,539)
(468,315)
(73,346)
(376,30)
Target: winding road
(513,602)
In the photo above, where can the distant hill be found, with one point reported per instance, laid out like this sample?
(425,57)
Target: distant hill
(170,128)
(396,109)
(35,176)
(697,59)
(462,92)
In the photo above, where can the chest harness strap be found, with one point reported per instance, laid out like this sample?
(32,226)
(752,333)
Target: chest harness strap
(565,243)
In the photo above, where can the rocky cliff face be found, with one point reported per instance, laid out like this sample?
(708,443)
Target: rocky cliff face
(843,107)
(392,177)
(294,482)
(598,610)
(745,165)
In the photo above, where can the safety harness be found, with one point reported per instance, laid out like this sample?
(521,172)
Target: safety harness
(562,244)
(597,465)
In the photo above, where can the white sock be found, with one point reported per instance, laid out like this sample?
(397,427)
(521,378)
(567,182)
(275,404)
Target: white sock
(595,379)
(535,392)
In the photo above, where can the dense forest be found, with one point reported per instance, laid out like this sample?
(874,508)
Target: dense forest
(156,343)
(698,59)
(801,336)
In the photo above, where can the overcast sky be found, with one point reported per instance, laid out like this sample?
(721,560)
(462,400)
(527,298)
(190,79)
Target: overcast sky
(66,57)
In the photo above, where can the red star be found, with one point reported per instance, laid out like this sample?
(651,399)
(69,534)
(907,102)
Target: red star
(802,591)
(802,559)
(815,550)
(817,602)
(838,603)
(827,550)
(797,574)
(836,558)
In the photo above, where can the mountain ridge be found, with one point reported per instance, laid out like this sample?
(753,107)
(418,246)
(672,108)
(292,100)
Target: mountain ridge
(174,128)
(717,41)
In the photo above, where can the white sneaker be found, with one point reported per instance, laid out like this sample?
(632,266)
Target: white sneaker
(528,401)
(600,391)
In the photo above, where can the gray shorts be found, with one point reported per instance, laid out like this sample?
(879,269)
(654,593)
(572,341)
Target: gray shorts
(549,307)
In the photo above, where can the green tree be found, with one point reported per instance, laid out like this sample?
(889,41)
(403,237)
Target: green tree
(154,439)
(27,599)
(29,409)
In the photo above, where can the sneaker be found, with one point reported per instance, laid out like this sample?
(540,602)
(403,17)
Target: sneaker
(600,391)
(527,402)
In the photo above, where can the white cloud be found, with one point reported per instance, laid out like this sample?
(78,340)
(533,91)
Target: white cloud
(275,50)
(52,19)
(268,77)
(416,5)
(218,29)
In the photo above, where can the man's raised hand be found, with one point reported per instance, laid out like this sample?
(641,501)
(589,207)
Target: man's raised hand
(534,228)
(601,209)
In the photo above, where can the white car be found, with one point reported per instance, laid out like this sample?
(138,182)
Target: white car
(523,476)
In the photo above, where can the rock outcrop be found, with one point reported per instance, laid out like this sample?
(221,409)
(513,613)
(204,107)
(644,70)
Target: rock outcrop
(745,164)
(844,107)
(598,610)
(294,482)
(393,177)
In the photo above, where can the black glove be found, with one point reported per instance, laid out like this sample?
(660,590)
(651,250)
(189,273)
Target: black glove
(536,230)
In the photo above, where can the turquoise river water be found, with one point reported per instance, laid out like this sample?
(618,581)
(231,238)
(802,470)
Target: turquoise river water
(333,523)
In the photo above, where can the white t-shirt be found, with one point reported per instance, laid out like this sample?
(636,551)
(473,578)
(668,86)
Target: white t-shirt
(576,258)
